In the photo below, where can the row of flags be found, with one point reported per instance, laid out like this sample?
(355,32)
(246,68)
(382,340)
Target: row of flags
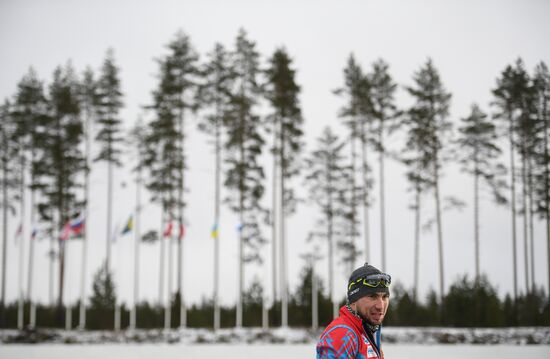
(75,228)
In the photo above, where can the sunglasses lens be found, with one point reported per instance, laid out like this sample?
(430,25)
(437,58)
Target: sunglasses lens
(372,282)
(377,280)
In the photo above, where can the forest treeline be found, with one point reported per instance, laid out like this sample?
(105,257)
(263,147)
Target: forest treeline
(53,134)
(467,304)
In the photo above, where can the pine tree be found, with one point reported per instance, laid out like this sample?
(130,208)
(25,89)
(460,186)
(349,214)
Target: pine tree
(525,129)
(478,154)
(30,113)
(164,156)
(286,121)
(327,188)
(60,161)
(109,103)
(384,115)
(89,101)
(416,160)
(137,140)
(244,145)
(9,174)
(541,84)
(103,290)
(214,95)
(513,110)
(504,98)
(431,109)
(159,145)
(355,91)
(159,158)
(181,96)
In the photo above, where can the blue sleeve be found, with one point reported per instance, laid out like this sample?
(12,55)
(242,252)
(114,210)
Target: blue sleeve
(340,342)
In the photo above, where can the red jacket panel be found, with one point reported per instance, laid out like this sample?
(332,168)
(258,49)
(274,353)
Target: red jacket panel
(345,338)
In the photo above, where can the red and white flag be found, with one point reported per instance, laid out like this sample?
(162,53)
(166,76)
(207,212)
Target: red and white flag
(66,231)
(168,229)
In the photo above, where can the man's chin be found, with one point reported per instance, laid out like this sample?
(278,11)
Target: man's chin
(376,319)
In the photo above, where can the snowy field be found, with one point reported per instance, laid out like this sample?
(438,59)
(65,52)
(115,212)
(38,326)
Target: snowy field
(261,351)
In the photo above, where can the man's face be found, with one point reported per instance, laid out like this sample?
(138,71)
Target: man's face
(373,307)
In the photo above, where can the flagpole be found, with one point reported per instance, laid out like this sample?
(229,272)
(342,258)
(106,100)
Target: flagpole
(82,313)
(265,313)
(216,276)
(68,312)
(239,309)
(51,255)
(168,304)
(117,306)
(183,308)
(161,268)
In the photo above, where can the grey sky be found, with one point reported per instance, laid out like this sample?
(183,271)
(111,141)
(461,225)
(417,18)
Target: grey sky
(470,43)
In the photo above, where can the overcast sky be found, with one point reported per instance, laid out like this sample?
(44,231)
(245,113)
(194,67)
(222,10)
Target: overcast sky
(470,43)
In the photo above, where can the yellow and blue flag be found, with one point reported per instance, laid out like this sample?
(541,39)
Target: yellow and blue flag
(214,232)
(129,226)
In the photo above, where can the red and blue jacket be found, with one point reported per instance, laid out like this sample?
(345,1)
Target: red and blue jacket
(346,338)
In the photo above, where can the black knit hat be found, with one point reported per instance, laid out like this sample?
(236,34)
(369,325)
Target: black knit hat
(357,284)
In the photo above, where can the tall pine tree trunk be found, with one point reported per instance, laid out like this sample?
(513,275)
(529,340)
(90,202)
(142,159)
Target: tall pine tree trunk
(51,256)
(274,217)
(21,239)
(382,195)
(32,304)
(82,315)
(547,188)
(137,243)
(439,227)
(513,203)
(330,242)
(476,214)
(525,215)
(242,228)
(62,210)
(416,241)
(366,196)
(5,209)
(216,226)
(314,296)
(109,212)
(181,190)
(531,220)
(283,254)
(353,198)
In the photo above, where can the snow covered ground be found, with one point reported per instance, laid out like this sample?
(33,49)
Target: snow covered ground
(390,335)
(261,351)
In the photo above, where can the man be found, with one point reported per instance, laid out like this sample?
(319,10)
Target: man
(356,332)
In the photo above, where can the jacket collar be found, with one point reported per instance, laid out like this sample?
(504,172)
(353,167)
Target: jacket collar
(357,321)
(354,320)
